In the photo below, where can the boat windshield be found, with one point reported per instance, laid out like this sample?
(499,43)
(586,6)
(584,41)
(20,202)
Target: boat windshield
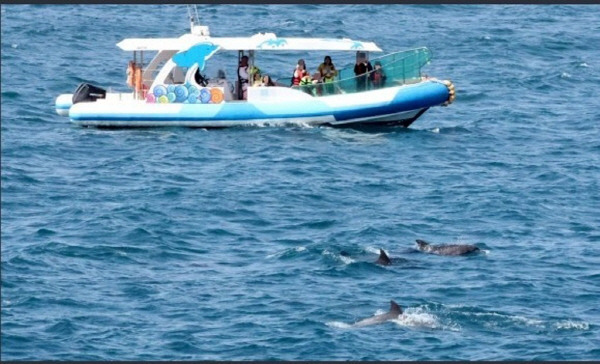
(391,70)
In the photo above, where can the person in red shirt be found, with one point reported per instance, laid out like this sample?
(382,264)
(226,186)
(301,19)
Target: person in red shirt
(378,76)
(299,72)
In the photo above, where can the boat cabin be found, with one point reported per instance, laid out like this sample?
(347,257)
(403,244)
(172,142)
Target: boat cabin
(180,61)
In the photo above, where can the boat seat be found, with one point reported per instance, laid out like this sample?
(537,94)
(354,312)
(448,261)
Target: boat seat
(227,88)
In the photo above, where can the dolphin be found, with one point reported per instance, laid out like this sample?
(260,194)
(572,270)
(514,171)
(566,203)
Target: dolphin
(453,249)
(383,258)
(394,313)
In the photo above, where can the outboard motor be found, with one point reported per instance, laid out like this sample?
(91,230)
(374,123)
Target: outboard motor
(88,92)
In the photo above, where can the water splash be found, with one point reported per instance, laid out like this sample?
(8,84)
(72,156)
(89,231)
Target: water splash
(418,317)
(571,325)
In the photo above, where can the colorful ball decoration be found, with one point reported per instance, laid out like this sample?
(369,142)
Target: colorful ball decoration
(205,95)
(216,96)
(181,93)
(159,91)
(187,93)
(193,98)
(191,88)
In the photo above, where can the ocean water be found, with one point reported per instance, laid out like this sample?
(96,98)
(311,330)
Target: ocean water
(225,244)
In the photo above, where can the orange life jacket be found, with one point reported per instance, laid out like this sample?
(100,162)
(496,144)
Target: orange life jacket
(296,80)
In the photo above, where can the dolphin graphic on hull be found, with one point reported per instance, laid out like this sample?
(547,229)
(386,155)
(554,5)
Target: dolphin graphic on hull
(451,249)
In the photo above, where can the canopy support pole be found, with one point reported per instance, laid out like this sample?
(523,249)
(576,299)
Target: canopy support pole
(240,92)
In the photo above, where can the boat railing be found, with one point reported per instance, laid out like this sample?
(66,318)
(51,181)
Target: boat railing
(399,68)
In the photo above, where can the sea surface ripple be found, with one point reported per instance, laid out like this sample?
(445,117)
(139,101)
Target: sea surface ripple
(177,244)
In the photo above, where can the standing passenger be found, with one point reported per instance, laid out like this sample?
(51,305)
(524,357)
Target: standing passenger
(243,76)
(361,70)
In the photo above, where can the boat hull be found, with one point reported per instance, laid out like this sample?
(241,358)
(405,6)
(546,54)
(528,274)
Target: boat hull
(63,104)
(399,105)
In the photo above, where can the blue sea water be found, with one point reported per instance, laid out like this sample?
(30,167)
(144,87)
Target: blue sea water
(176,244)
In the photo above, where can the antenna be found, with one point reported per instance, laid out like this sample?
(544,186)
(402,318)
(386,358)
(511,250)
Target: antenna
(192,14)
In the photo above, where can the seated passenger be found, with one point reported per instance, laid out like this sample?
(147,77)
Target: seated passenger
(306,85)
(299,72)
(328,72)
(253,72)
(256,80)
(266,81)
(378,76)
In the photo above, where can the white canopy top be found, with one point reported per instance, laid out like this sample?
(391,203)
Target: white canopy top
(260,41)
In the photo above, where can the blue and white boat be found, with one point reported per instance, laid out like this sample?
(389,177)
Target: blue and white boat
(171,91)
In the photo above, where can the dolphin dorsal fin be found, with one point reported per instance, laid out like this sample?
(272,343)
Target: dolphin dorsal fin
(422,243)
(395,308)
(383,258)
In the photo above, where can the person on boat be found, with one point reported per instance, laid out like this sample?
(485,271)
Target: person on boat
(327,72)
(243,76)
(362,68)
(221,81)
(299,72)
(378,76)
(256,78)
(307,85)
(266,81)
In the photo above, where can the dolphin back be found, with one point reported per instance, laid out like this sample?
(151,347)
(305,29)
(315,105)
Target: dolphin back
(457,249)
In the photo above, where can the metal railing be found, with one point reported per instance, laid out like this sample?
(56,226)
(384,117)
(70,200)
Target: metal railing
(398,68)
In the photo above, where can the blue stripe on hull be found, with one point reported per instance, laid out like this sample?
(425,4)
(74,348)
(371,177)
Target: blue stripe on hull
(415,97)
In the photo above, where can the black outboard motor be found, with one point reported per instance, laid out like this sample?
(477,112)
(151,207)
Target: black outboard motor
(88,92)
